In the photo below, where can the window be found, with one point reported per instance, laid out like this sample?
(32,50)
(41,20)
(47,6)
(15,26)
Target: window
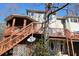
(51,45)
(32,14)
(39,15)
(75,20)
(78,20)
(67,20)
(44,16)
(50,18)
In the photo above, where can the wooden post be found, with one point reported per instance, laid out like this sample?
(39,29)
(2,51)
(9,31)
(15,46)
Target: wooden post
(72,46)
(67,40)
(13,23)
(32,29)
(24,23)
(68,46)
(12,30)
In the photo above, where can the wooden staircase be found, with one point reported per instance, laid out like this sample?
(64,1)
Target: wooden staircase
(8,43)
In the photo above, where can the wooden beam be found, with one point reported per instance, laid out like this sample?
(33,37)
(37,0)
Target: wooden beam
(24,25)
(32,29)
(13,23)
(72,46)
(35,11)
(67,39)
(68,46)
(12,30)
(25,21)
(57,39)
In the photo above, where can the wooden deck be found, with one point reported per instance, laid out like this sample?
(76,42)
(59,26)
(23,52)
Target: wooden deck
(17,36)
(59,33)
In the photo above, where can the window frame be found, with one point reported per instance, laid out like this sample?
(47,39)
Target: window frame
(74,20)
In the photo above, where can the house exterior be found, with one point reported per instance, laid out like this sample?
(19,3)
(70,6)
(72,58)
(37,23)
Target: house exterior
(56,25)
(56,21)
(63,33)
(72,23)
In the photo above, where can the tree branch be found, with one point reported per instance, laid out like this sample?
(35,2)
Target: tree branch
(58,9)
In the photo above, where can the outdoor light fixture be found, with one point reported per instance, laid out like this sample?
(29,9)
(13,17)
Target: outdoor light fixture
(31,39)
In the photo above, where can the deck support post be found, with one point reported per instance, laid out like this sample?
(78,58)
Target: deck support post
(72,46)
(13,23)
(12,30)
(67,42)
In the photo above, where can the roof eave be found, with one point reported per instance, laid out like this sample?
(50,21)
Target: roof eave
(22,16)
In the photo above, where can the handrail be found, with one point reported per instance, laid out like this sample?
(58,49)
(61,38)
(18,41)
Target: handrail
(5,46)
(6,38)
(14,33)
(23,28)
(18,36)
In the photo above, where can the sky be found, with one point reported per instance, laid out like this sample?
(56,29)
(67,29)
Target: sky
(7,9)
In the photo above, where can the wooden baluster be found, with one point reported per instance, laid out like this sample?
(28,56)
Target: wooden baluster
(24,25)
(32,29)
(12,30)
(4,47)
(1,49)
(13,26)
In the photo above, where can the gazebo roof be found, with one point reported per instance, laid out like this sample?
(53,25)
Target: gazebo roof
(19,16)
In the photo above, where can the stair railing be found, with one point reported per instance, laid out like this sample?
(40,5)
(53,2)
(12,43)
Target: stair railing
(10,42)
